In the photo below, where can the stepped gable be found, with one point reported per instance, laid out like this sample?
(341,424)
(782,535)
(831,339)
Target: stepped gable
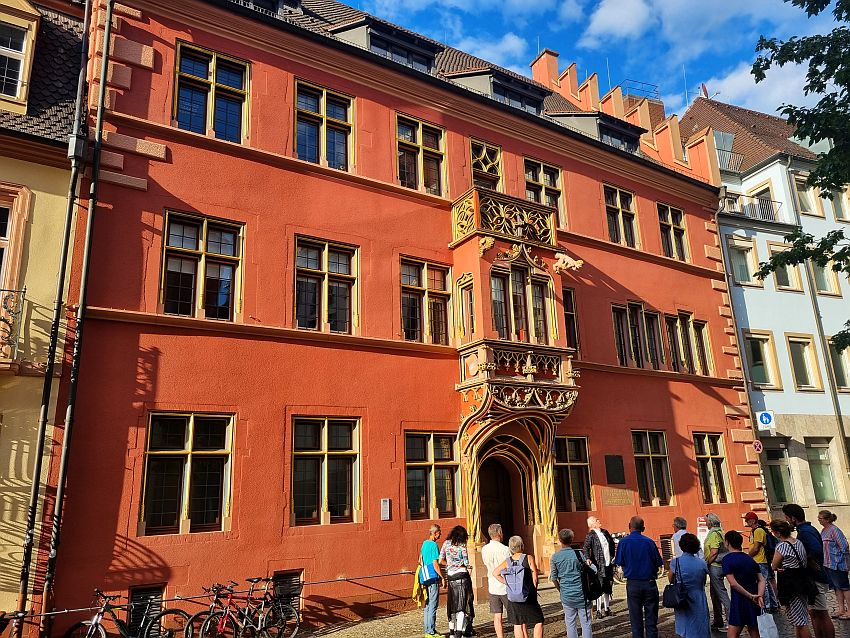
(53,81)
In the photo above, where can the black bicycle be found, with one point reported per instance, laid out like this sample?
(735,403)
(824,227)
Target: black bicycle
(168,623)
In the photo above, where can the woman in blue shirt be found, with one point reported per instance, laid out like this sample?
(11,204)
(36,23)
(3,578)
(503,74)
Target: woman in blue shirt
(692,619)
(747,584)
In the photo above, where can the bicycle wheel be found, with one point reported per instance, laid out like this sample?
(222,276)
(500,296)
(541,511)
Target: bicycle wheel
(280,621)
(169,623)
(193,624)
(218,625)
(85,629)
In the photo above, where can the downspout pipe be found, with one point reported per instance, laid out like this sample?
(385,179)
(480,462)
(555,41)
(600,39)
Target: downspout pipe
(824,342)
(76,155)
(70,411)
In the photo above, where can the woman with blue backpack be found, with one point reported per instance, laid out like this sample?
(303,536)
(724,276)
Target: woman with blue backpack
(519,573)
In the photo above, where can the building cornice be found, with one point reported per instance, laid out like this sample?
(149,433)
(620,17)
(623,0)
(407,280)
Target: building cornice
(311,49)
(31,149)
(566,237)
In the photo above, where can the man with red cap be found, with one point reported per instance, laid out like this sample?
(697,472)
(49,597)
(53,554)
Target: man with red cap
(760,547)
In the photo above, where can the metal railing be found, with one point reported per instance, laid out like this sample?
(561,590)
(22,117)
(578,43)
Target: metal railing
(729,161)
(11,309)
(754,207)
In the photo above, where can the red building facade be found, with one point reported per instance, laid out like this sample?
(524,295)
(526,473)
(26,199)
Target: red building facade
(336,297)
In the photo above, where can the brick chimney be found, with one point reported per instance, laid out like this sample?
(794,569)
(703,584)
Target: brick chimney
(544,68)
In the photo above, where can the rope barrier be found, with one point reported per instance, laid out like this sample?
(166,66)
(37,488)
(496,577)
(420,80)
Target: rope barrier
(21,616)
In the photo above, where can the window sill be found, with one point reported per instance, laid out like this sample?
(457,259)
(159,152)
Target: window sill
(799,389)
(784,289)
(766,388)
(836,295)
(747,284)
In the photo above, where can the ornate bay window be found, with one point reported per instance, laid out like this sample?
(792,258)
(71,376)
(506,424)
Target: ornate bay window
(521,305)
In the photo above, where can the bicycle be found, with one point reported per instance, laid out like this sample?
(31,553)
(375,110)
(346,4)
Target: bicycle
(197,619)
(167,623)
(270,616)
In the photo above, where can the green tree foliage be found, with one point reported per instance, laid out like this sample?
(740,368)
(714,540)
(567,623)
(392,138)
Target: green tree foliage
(828,75)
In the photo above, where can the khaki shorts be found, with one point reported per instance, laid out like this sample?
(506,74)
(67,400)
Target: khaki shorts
(820,601)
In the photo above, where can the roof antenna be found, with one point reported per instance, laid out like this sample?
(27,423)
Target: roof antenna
(685,76)
(607,66)
(538,45)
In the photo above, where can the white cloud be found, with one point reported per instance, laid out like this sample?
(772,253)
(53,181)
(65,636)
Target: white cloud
(617,19)
(570,12)
(509,50)
(782,86)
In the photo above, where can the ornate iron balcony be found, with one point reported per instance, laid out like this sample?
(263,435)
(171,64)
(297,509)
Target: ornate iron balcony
(497,214)
(11,308)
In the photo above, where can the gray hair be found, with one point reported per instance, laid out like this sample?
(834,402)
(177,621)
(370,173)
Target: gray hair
(494,530)
(712,519)
(515,544)
(680,523)
(434,528)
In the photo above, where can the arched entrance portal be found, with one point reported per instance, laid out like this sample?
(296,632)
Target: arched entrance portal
(497,498)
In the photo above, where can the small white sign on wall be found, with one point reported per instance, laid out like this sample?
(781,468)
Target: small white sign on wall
(765,420)
(385,509)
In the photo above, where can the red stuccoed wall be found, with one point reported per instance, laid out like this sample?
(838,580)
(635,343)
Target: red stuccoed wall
(137,360)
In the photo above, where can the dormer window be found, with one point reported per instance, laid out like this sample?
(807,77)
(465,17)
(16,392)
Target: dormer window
(619,139)
(399,53)
(18,27)
(516,99)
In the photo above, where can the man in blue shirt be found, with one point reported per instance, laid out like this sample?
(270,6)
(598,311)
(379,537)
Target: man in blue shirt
(430,557)
(640,560)
(811,539)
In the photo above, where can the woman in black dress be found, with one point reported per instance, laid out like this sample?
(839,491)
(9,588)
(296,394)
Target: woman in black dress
(529,612)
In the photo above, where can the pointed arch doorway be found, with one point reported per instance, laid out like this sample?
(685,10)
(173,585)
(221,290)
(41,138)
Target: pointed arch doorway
(497,498)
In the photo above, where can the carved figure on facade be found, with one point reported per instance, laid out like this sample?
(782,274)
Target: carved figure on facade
(485,244)
(564,262)
(517,252)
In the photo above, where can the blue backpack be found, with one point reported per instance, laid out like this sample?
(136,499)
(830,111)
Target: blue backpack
(514,575)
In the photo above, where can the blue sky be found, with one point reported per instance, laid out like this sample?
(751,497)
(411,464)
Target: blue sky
(646,40)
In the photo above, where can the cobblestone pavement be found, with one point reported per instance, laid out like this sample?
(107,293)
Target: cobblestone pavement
(409,624)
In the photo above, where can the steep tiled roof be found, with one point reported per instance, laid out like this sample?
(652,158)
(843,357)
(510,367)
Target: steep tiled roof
(557,103)
(53,81)
(758,136)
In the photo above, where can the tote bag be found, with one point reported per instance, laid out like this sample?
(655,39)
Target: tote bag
(675,595)
(767,626)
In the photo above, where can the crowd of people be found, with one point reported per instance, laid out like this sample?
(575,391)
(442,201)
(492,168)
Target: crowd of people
(788,565)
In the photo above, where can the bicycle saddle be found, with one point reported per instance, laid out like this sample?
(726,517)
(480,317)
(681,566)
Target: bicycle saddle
(253,580)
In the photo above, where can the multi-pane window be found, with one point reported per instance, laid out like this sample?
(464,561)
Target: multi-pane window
(636,334)
(516,99)
(761,359)
(12,57)
(400,54)
(674,346)
(420,155)
(5,226)
(212,92)
(619,210)
(785,277)
(467,310)
(201,264)
(804,364)
(673,241)
(652,466)
(572,475)
(187,473)
(686,339)
(514,294)
(486,165)
(841,205)
(807,199)
(701,347)
(571,318)
(424,302)
(826,279)
(621,335)
(840,366)
(431,469)
(654,343)
(543,185)
(322,126)
(777,471)
(325,274)
(688,344)
(743,261)
(324,470)
(817,453)
(711,466)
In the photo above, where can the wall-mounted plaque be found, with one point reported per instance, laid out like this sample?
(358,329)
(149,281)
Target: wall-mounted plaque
(616,496)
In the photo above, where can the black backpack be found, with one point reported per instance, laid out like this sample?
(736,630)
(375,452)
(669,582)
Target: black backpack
(590,585)
(770,543)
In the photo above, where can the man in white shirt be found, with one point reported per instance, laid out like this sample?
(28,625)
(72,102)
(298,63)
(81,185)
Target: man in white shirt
(600,550)
(680,528)
(494,554)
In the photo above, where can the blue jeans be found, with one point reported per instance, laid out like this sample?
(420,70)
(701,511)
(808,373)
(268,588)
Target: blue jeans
(769,595)
(431,607)
(642,598)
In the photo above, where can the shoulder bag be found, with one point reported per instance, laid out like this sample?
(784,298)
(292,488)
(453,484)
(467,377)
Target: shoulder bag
(675,595)
(793,582)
